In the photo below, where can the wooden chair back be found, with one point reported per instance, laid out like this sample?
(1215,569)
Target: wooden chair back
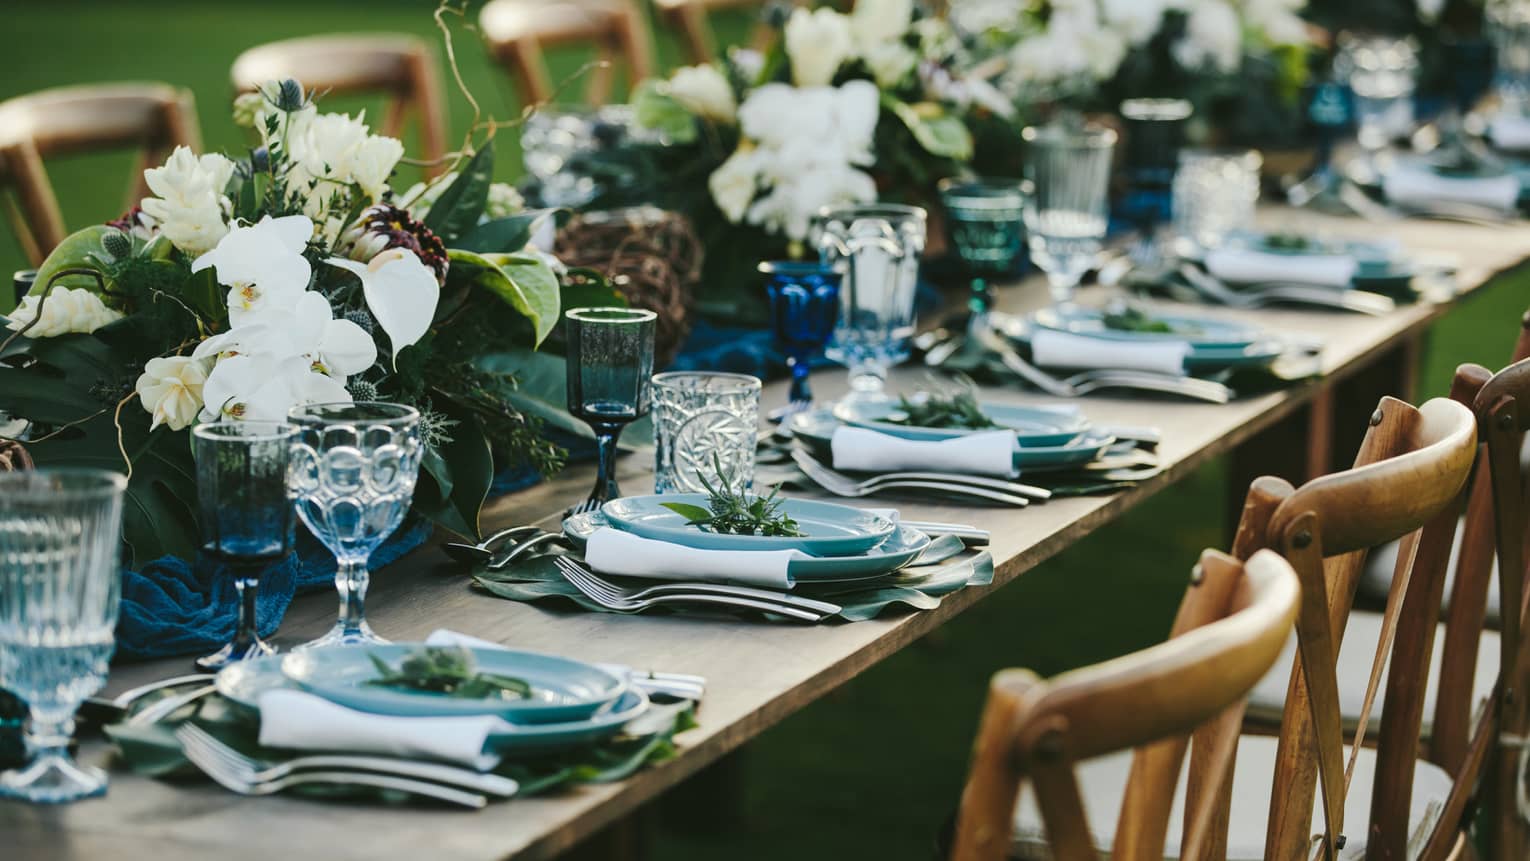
(153,118)
(1228,632)
(1407,483)
(690,17)
(402,67)
(516,31)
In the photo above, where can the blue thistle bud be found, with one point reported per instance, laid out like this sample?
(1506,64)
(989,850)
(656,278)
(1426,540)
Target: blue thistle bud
(362,319)
(289,96)
(362,390)
(260,160)
(117,244)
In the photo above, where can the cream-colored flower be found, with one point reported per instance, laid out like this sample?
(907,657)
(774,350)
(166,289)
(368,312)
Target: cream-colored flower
(189,204)
(705,92)
(248,109)
(67,310)
(372,162)
(733,183)
(817,43)
(890,62)
(170,390)
(874,22)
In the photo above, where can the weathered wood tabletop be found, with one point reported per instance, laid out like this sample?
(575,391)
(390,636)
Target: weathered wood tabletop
(759,673)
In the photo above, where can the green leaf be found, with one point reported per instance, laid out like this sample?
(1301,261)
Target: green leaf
(507,234)
(942,135)
(523,281)
(692,513)
(458,208)
(595,291)
(79,249)
(658,110)
(471,466)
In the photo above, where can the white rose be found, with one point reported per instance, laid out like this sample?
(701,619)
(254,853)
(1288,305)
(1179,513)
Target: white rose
(817,43)
(372,163)
(1213,37)
(324,145)
(170,390)
(189,205)
(704,91)
(890,63)
(248,109)
(733,183)
(67,310)
(874,22)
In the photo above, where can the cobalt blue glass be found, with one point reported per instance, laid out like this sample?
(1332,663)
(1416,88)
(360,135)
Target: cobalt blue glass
(1154,133)
(804,306)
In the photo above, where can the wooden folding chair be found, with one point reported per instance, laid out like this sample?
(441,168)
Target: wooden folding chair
(690,18)
(154,118)
(1230,626)
(400,66)
(516,31)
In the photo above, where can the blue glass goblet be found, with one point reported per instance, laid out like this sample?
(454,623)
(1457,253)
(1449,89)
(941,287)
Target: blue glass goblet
(804,306)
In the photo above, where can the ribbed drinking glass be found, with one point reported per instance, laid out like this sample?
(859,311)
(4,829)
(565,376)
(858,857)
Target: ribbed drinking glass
(1215,193)
(60,588)
(354,467)
(610,363)
(1066,212)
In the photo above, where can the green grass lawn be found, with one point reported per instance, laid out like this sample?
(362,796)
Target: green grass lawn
(874,769)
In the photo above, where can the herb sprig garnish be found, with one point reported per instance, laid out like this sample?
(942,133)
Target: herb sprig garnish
(449,671)
(1287,242)
(956,409)
(1125,318)
(731,512)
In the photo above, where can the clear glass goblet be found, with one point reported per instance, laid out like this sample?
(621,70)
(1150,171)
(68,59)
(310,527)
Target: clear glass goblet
(1066,211)
(60,590)
(248,516)
(1381,72)
(353,471)
(610,363)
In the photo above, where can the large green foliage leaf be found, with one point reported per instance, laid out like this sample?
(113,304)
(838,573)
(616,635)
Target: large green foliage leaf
(940,133)
(524,281)
(655,109)
(507,234)
(461,204)
(81,249)
(461,473)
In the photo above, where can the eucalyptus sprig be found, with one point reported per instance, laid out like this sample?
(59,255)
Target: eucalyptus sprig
(956,409)
(449,671)
(732,512)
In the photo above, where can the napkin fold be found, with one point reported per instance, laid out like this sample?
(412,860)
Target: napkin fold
(1247,265)
(866,450)
(1412,184)
(612,551)
(301,721)
(1052,349)
(1510,131)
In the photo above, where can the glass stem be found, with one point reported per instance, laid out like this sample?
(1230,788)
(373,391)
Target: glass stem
(48,732)
(247,587)
(605,472)
(351,579)
(800,392)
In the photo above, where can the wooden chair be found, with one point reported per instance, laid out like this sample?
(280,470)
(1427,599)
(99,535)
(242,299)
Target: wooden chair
(690,18)
(516,31)
(1408,480)
(402,67)
(155,118)
(1229,628)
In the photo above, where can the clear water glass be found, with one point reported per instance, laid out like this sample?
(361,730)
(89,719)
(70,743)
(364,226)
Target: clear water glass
(985,217)
(1381,72)
(804,306)
(609,364)
(353,471)
(60,589)
(879,246)
(703,421)
(1066,213)
(248,516)
(1507,26)
(1215,193)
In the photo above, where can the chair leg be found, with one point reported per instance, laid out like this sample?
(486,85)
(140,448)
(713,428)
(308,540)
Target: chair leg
(695,31)
(425,88)
(34,194)
(523,57)
(635,44)
(597,88)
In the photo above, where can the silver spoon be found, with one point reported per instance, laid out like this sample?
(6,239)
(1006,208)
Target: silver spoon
(478,554)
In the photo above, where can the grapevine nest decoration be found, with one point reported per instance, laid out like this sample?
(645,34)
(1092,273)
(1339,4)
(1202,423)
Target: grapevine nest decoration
(652,256)
(13,458)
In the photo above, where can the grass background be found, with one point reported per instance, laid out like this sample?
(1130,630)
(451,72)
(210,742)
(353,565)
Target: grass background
(872,770)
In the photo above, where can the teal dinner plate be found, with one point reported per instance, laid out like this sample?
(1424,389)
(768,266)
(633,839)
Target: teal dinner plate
(900,548)
(1197,331)
(815,429)
(243,683)
(1212,360)
(1032,425)
(1381,267)
(829,529)
(561,689)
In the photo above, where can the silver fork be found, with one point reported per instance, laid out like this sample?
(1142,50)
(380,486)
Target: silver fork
(1260,294)
(840,484)
(607,596)
(591,504)
(235,780)
(258,771)
(1082,384)
(690,587)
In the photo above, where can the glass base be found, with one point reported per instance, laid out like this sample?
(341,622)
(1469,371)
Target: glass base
(53,779)
(343,636)
(231,655)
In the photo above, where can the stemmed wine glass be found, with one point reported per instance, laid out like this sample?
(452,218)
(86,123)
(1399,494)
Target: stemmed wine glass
(610,361)
(353,471)
(60,590)
(248,515)
(1381,72)
(804,305)
(1065,212)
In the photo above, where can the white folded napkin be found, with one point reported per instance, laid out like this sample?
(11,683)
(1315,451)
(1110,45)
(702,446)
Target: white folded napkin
(1246,266)
(1510,131)
(302,721)
(865,450)
(612,551)
(1052,349)
(1409,183)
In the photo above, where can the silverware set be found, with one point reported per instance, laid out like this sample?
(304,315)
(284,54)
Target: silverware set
(522,541)
(633,600)
(953,484)
(1260,294)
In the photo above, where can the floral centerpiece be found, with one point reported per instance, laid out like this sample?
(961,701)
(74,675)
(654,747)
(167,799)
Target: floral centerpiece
(876,104)
(292,274)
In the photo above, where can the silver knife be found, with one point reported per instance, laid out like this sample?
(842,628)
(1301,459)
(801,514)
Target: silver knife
(970,535)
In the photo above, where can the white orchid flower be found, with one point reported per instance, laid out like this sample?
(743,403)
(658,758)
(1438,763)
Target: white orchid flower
(338,348)
(264,388)
(401,293)
(262,265)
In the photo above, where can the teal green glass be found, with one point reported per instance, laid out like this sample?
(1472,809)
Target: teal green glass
(610,363)
(985,218)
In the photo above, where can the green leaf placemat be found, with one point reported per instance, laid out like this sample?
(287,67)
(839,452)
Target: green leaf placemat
(920,586)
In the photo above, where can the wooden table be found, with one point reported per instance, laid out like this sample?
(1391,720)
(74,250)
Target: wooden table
(759,673)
